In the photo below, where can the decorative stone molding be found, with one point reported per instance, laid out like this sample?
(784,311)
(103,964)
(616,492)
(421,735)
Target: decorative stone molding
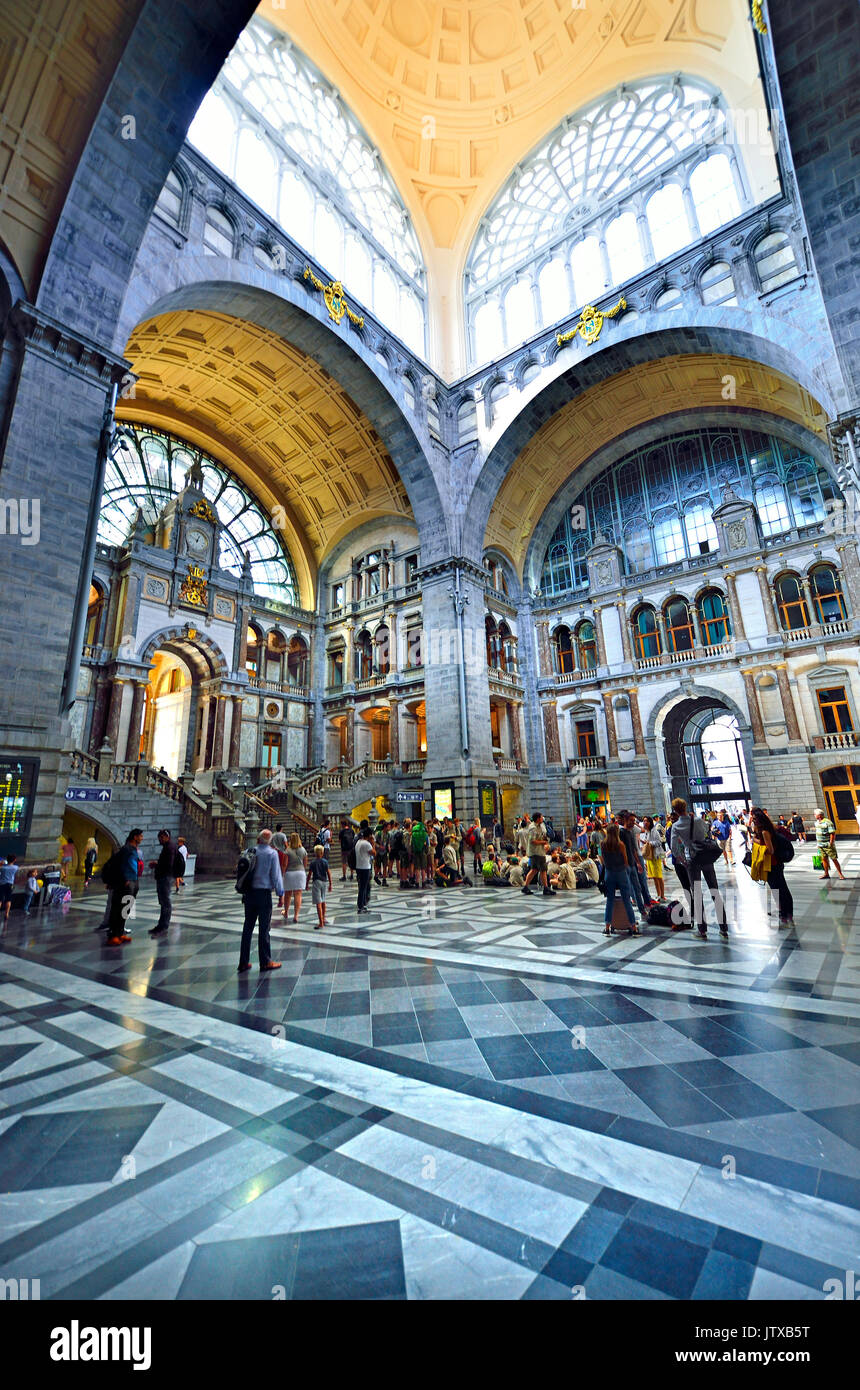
(52,340)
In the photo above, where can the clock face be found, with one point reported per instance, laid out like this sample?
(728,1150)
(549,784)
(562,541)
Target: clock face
(196,541)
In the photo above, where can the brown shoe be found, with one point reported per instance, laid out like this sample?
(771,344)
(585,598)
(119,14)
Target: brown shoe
(272,965)
(242,968)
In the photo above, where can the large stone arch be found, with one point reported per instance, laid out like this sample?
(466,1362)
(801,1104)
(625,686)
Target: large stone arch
(756,337)
(695,691)
(603,458)
(279,305)
(177,640)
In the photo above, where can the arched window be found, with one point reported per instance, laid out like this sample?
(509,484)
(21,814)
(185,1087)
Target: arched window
(772,507)
(700,529)
(669,299)
(565,659)
(519,313)
(668,221)
(297,661)
(638,551)
(294,129)
(714,622)
(679,625)
(714,193)
(95,609)
(170,199)
(504,646)
(717,285)
(557,575)
(595,168)
(492,637)
(252,658)
(336,656)
(805,493)
(646,637)
(276,647)
(827,599)
(382,648)
(791,603)
(774,261)
(554,290)
(586,646)
(363,656)
(668,538)
(488,331)
(146,468)
(219,235)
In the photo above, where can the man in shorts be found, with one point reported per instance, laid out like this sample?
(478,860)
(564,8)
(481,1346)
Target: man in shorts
(319,874)
(380,866)
(538,841)
(404,856)
(825,841)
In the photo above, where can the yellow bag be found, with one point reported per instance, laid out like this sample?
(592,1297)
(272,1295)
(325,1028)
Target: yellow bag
(760,863)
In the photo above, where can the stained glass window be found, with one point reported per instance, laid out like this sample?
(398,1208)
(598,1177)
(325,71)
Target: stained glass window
(146,469)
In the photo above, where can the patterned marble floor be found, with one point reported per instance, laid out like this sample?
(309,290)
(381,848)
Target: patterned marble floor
(468,1095)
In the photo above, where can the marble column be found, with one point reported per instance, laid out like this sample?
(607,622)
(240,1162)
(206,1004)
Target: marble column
(598,637)
(552,742)
(309,746)
(242,653)
(767,600)
(544,658)
(806,589)
(636,720)
(112,732)
(753,706)
(350,736)
(209,741)
(516,739)
(394,730)
(611,736)
(663,635)
(625,631)
(737,620)
(850,566)
(391,620)
(234,759)
(100,709)
(132,751)
(787,703)
(349,659)
(218,742)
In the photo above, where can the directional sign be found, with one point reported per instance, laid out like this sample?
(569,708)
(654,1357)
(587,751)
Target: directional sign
(705,781)
(409,796)
(89,793)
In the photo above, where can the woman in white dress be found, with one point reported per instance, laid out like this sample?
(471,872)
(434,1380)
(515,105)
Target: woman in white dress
(295,875)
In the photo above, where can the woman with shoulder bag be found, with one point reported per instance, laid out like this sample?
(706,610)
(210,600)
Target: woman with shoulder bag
(693,848)
(768,863)
(616,879)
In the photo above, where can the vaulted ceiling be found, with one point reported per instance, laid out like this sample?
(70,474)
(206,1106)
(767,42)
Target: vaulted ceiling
(274,416)
(611,409)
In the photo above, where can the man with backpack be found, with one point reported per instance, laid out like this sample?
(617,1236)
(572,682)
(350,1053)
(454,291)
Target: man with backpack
(695,852)
(420,864)
(121,875)
(168,867)
(258,876)
(347,840)
(474,840)
(537,847)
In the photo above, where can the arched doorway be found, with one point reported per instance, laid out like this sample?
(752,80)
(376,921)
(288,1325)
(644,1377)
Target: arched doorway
(841,786)
(167,708)
(186,722)
(705,755)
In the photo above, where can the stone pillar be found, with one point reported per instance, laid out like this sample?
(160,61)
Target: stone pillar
(663,635)
(350,736)
(349,658)
(609,714)
(545,665)
(516,738)
(242,653)
(100,709)
(391,620)
(235,756)
(112,733)
(218,743)
(737,620)
(309,744)
(626,644)
(753,706)
(598,637)
(552,742)
(850,567)
(636,720)
(394,730)
(767,600)
(788,703)
(209,746)
(132,751)
(806,589)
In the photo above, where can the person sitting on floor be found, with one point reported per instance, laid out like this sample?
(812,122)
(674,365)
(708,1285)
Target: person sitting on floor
(448,873)
(490,871)
(565,880)
(515,873)
(586,871)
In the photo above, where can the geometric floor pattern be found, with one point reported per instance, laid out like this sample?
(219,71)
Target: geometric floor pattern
(407,1113)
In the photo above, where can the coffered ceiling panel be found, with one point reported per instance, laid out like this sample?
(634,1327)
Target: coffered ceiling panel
(57,58)
(609,410)
(281,421)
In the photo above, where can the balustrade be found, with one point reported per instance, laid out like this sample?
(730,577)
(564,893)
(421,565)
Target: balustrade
(827,743)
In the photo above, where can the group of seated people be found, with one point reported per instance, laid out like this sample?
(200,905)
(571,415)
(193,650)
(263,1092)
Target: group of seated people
(565,871)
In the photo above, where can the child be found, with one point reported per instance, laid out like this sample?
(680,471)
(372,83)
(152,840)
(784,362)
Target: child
(32,890)
(320,877)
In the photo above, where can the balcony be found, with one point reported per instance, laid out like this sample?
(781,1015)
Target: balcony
(829,743)
(594,763)
(504,764)
(698,653)
(507,678)
(297,692)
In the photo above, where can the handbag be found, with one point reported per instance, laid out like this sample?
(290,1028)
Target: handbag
(705,852)
(761,864)
(817,861)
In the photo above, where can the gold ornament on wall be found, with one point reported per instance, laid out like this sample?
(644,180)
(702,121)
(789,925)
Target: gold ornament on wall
(335,301)
(193,589)
(203,510)
(590,324)
(758,17)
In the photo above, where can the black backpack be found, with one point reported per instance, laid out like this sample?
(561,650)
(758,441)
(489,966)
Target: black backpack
(350,858)
(244,870)
(111,874)
(178,865)
(783,846)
